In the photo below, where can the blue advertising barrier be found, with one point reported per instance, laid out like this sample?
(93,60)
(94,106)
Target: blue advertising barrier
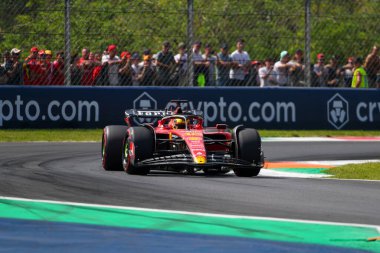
(262,108)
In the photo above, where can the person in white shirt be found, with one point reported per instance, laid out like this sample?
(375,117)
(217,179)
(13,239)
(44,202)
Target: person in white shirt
(113,62)
(240,68)
(136,67)
(282,68)
(267,74)
(210,58)
(198,63)
(181,61)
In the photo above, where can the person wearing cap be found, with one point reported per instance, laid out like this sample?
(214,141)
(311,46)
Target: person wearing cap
(360,77)
(16,73)
(223,64)
(15,51)
(44,69)
(49,65)
(48,55)
(31,67)
(296,70)
(372,66)
(267,75)
(112,61)
(240,69)
(33,54)
(165,65)
(147,74)
(125,71)
(281,69)
(319,72)
(181,62)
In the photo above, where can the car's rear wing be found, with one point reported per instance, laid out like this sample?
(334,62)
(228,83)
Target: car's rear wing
(158,113)
(147,113)
(132,114)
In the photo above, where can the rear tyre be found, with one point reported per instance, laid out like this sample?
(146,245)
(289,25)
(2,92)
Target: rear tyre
(248,148)
(112,147)
(138,146)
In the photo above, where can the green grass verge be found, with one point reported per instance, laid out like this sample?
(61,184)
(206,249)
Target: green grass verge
(316,133)
(20,135)
(370,171)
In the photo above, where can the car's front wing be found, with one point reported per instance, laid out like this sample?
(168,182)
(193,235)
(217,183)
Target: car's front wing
(186,159)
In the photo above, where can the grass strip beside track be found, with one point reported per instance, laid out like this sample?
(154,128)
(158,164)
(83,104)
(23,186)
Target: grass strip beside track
(22,135)
(369,171)
(26,135)
(329,234)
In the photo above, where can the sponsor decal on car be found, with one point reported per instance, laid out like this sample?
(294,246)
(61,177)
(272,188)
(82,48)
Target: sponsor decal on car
(200,160)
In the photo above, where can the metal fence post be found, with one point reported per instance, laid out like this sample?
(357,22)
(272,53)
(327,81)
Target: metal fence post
(190,38)
(307,43)
(67,44)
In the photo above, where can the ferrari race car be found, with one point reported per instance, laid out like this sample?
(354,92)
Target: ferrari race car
(177,141)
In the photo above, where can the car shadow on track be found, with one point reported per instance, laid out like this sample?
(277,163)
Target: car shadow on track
(203,175)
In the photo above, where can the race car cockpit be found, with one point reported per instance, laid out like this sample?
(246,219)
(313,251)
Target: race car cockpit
(177,123)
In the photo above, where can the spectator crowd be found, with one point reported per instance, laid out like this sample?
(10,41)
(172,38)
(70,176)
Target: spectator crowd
(210,68)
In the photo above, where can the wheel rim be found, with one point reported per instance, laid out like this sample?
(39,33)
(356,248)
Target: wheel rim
(104,140)
(126,160)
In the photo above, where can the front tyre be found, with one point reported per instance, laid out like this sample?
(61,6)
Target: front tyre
(138,146)
(112,146)
(248,148)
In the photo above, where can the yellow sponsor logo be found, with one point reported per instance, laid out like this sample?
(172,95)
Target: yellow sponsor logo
(194,138)
(200,160)
(193,134)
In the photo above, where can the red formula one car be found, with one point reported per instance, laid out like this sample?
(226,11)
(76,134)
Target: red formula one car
(179,142)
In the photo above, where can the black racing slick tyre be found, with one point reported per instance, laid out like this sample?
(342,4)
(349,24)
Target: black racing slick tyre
(138,146)
(112,147)
(248,148)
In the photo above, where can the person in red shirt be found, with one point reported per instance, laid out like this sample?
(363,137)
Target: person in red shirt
(49,66)
(58,74)
(125,70)
(87,67)
(43,69)
(31,67)
(97,67)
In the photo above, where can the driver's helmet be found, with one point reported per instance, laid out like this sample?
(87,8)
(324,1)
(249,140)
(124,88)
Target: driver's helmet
(178,123)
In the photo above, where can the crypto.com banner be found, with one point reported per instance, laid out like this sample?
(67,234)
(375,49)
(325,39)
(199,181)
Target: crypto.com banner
(262,108)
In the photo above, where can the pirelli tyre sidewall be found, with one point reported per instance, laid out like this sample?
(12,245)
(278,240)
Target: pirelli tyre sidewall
(138,146)
(247,148)
(112,146)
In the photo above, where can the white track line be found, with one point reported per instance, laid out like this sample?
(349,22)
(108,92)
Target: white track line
(318,139)
(276,173)
(342,162)
(194,213)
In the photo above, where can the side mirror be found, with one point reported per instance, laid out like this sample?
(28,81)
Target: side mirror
(221,126)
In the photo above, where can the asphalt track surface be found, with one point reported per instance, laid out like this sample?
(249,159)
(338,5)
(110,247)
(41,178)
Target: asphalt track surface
(73,172)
